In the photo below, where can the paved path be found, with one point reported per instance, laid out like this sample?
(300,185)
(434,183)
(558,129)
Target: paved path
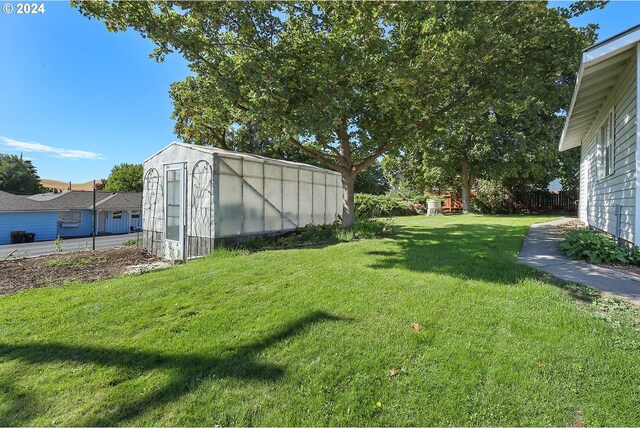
(68,245)
(540,250)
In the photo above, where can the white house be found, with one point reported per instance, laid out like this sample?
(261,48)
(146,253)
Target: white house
(602,122)
(196,197)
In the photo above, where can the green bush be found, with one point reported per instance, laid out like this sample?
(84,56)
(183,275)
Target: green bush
(594,246)
(130,242)
(322,234)
(492,198)
(369,206)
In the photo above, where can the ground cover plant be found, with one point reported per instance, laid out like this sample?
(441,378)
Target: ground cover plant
(321,234)
(434,324)
(596,247)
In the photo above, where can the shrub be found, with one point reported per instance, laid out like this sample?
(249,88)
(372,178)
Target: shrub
(492,198)
(322,234)
(369,206)
(593,246)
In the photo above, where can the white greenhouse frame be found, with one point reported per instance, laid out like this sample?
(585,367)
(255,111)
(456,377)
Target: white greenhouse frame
(229,196)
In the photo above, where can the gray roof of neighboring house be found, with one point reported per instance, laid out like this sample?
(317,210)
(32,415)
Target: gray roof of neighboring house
(75,199)
(15,203)
(121,201)
(78,199)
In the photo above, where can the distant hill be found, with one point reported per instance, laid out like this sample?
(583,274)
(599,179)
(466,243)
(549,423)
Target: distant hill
(64,186)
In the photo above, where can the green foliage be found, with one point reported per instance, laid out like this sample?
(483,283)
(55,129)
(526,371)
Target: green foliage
(19,176)
(493,198)
(58,244)
(372,181)
(130,242)
(322,234)
(345,82)
(369,206)
(569,169)
(125,177)
(596,247)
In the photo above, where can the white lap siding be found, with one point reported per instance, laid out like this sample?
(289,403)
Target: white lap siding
(599,197)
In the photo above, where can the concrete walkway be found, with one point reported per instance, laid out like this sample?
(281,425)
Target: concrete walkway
(540,250)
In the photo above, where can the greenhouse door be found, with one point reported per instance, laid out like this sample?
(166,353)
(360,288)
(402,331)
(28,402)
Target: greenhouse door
(173,247)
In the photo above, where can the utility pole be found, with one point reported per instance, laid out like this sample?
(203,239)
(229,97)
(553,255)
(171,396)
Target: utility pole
(93,246)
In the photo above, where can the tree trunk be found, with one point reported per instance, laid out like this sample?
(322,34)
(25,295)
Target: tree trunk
(348,204)
(466,188)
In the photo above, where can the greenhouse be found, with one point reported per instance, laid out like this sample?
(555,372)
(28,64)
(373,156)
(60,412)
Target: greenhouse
(196,197)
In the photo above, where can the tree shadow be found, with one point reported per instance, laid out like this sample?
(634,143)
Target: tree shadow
(466,251)
(190,370)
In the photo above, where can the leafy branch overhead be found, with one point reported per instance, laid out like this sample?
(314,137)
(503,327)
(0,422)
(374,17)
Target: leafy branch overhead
(342,82)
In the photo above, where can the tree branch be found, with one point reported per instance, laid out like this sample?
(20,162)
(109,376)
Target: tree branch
(319,156)
(370,159)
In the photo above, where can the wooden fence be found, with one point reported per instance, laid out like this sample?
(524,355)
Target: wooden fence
(541,201)
(532,202)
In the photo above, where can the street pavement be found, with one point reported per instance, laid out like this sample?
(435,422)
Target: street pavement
(15,251)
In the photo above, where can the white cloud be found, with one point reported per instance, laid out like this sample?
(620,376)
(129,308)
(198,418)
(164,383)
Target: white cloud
(55,151)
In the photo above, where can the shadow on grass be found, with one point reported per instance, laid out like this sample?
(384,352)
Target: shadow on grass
(468,251)
(191,370)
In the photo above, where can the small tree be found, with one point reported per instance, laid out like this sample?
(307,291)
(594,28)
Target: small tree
(126,177)
(19,176)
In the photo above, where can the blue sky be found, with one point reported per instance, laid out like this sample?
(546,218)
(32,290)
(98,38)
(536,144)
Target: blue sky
(77,100)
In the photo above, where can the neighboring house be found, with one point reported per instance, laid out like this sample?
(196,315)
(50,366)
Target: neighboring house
(19,213)
(195,197)
(116,212)
(120,213)
(602,122)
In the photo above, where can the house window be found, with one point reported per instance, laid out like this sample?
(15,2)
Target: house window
(135,214)
(117,215)
(606,146)
(70,216)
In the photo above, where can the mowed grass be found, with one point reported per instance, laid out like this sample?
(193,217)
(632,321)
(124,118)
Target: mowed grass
(311,336)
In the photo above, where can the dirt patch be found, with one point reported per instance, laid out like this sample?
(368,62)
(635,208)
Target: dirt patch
(82,266)
(628,269)
(571,226)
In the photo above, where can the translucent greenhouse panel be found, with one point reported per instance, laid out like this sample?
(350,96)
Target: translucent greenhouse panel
(306,197)
(229,212)
(272,171)
(290,198)
(230,166)
(319,207)
(252,197)
(273,204)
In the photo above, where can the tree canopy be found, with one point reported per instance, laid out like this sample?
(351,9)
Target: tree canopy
(345,82)
(126,177)
(19,176)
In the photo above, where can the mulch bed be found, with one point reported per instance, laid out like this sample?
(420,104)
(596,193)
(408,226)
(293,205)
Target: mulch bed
(57,269)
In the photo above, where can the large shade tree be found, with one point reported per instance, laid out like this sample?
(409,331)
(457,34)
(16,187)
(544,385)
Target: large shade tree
(125,177)
(19,176)
(343,82)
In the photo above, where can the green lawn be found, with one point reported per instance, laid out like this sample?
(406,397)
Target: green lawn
(310,336)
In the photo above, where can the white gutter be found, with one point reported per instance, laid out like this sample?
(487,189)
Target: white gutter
(573,100)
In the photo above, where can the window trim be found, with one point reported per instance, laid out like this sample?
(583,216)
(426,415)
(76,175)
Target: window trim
(119,215)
